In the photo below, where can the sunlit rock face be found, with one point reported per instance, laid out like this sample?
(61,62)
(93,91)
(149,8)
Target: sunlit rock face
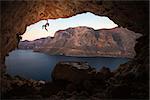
(21,14)
(134,15)
(85,41)
(17,15)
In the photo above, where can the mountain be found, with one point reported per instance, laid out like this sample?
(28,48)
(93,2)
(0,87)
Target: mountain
(38,43)
(85,41)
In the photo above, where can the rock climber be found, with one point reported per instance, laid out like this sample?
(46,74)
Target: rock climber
(45,26)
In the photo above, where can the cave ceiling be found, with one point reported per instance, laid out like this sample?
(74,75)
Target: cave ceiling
(17,15)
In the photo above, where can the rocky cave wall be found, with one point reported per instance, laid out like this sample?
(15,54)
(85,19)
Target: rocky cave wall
(17,15)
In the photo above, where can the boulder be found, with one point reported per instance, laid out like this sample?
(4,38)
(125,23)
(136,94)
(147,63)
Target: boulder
(74,72)
(104,73)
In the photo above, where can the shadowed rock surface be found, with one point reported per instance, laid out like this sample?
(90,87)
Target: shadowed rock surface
(75,80)
(26,13)
(74,72)
(134,15)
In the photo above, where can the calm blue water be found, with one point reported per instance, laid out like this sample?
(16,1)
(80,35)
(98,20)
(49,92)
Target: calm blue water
(38,66)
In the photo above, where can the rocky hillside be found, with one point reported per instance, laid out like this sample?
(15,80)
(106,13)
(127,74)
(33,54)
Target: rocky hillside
(85,41)
(33,44)
(23,13)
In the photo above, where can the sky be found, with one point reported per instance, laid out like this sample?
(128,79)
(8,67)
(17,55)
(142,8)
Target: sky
(88,19)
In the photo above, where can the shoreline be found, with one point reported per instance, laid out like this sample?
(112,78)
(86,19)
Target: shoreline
(79,56)
(86,56)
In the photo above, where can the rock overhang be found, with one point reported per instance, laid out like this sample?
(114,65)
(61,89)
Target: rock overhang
(23,13)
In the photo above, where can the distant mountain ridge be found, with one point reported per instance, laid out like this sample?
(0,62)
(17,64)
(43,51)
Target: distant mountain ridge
(35,44)
(85,41)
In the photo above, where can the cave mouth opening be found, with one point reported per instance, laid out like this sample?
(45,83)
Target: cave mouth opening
(111,46)
(48,27)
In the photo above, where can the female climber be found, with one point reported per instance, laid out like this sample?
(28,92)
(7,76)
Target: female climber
(45,26)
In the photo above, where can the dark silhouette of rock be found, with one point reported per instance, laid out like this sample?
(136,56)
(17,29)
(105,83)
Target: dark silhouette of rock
(119,91)
(74,72)
(71,87)
(104,73)
(17,15)
(88,86)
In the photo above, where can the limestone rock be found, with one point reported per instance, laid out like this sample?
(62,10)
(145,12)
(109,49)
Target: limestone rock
(17,15)
(85,41)
(23,13)
(74,72)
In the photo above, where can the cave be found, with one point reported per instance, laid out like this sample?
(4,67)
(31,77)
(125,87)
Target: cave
(107,45)
(133,15)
